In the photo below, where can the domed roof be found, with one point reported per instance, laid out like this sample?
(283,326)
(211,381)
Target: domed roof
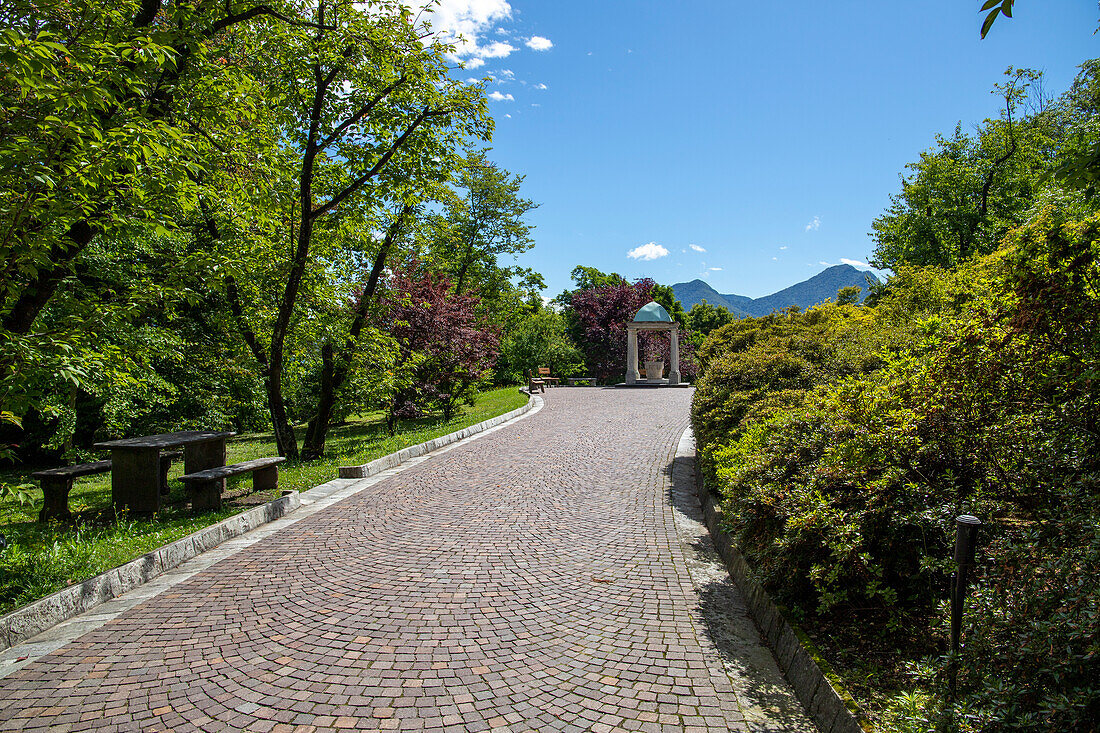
(653,311)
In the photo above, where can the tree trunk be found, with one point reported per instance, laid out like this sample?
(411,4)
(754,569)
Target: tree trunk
(333,371)
(285,442)
(313,446)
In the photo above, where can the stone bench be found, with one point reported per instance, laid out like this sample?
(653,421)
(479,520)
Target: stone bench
(205,487)
(58,482)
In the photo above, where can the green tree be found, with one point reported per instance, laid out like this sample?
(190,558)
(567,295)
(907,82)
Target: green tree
(370,115)
(476,228)
(704,318)
(663,295)
(967,193)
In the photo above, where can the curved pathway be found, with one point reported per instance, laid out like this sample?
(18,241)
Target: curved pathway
(548,576)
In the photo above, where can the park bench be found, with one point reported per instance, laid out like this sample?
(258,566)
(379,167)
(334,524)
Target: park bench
(205,487)
(58,482)
(534,383)
(544,375)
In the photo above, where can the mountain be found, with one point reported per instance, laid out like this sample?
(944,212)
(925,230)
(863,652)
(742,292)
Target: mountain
(820,287)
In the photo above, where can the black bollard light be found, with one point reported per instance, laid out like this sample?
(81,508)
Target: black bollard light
(966,531)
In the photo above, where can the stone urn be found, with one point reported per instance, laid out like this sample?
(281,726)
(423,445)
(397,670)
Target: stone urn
(654,370)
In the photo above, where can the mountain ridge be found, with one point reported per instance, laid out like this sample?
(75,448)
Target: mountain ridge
(805,294)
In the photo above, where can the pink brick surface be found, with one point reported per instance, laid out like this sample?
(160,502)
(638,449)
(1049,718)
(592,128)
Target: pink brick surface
(529,580)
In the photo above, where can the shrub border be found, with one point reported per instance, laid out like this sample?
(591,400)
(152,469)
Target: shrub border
(818,687)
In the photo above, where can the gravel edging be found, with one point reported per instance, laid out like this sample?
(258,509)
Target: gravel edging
(830,706)
(415,451)
(38,616)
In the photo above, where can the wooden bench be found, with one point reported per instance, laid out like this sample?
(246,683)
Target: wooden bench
(544,375)
(535,383)
(58,482)
(205,487)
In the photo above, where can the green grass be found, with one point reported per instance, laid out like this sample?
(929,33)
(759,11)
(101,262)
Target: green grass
(43,558)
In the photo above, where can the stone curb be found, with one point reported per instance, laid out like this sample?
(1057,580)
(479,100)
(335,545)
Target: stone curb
(34,618)
(415,451)
(832,709)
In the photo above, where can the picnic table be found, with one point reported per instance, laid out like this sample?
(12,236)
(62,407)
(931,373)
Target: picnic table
(135,464)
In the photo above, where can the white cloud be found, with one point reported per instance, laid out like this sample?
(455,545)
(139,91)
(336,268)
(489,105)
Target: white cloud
(783,247)
(462,23)
(715,269)
(775,259)
(473,80)
(541,86)
(697,248)
(498,97)
(496,50)
(855,263)
(538,43)
(827,264)
(814,225)
(647,252)
(504,75)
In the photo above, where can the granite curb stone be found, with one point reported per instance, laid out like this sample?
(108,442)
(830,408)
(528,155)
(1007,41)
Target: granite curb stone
(415,451)
(832,710)
(34,618)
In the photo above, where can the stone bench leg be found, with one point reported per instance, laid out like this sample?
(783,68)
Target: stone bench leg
(265,479)
(55,499)
(205,495)
(165,467)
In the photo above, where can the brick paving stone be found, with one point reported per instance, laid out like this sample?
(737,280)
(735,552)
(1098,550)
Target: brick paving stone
(533,579)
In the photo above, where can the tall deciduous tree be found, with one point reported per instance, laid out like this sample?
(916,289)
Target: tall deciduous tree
(370,111)
(108,108)
(968,192)
(484,221)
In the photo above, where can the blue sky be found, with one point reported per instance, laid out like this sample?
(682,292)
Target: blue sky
(755,142)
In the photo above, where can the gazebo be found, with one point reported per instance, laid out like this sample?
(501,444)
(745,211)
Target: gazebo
(651,317)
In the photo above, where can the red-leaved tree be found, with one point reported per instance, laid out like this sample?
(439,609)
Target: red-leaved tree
(598,318)
(446,346)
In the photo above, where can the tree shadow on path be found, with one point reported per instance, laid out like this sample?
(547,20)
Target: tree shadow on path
(767,701)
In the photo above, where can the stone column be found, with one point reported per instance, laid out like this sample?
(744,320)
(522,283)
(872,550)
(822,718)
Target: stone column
(674,368)
(632,374)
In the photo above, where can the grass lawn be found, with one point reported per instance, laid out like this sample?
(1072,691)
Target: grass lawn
(43,558)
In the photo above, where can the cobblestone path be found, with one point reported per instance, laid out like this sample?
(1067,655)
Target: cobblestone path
(544,577)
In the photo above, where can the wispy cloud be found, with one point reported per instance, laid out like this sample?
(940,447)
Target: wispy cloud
(827,264)
(474,63)
(504,75)
(783,247)
(650,251)
(538,43)
(697,248)
(814,224)
(855,263)
(498,97)
(715,269)
(541,86)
